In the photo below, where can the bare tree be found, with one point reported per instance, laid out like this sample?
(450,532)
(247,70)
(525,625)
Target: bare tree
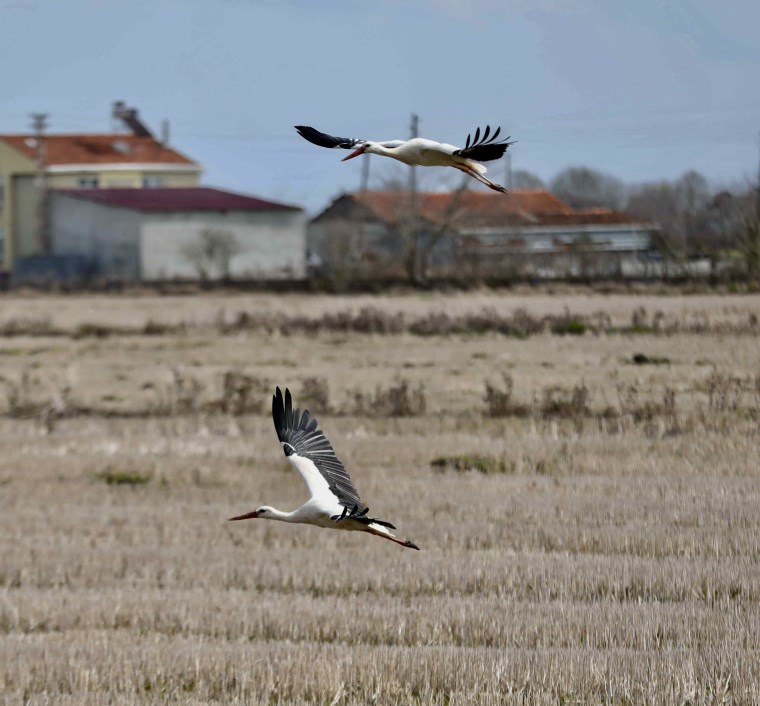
(419,236)
(681,209)
(733,219)
(523,179)
(211,254)
(344,252)
(657,202)
(582,187)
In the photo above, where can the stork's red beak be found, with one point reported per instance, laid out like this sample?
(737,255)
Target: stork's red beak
(355,153)
(247,516)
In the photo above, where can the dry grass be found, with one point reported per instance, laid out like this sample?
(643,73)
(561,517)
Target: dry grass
(611,557)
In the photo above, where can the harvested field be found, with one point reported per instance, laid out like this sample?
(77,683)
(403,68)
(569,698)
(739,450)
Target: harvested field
(589,527)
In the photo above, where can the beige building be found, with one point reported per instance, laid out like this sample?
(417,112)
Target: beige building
(77,161)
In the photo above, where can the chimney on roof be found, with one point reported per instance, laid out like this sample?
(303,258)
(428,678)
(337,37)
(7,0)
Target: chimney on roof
(130,118)
(165,133)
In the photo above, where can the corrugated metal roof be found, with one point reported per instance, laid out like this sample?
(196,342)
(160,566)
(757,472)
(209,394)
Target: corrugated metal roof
(199,198)
(98,149)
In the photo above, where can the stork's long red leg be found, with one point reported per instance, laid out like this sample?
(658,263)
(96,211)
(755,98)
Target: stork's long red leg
(481,178)
(402,542)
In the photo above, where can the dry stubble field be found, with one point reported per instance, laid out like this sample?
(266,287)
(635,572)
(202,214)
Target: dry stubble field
(590,533)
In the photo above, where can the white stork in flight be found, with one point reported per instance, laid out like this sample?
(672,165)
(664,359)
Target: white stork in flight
(334,502)
(419,152)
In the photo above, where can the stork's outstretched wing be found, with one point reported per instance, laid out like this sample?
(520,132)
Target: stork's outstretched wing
(312,455)
(484,149)
(324,140)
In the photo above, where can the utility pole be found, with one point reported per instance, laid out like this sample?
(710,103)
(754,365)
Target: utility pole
(753,232)
(365,173)
(757,190)
(412,236)
(412,173)
(39,125)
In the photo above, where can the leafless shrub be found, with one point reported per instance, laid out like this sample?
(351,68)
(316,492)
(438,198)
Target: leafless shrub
(469,462)
(242,393)
(315,394)
(499,402)
(639,319)
(564,403)
(401,399)
(670,412)
(724,391)
(524,324)
(567,323)
(636,408)
(24,326)
(658,416)
(373,320)
(159,328)
(95,330)
(19,395)
(369,320)
(181,394)
(520,324)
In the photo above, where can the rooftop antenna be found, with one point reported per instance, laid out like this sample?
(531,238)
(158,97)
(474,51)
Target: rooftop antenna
(130,119)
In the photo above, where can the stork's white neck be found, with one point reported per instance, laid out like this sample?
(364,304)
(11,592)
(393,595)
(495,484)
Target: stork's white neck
(377,148)
(272,513)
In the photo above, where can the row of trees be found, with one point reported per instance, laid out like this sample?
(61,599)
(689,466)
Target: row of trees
(696,219)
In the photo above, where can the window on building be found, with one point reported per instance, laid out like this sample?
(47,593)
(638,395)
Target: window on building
(87,182)
(152,181)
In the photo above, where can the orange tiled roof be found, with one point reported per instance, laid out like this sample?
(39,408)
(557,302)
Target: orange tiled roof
(480,208)
(98,149)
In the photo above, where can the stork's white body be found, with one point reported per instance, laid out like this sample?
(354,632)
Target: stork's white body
(418,152)
(334,501)
(421,152)
(318,513)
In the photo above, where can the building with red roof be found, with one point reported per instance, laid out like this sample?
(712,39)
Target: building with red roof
(473,234)
(128,206)
(33,164)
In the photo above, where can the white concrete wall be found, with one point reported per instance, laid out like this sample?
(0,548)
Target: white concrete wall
(272,243)
(107,235)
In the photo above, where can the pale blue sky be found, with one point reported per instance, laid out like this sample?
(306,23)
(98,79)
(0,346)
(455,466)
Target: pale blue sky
(643,90)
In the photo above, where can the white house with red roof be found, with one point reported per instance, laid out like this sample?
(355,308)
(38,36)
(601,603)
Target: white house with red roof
(126,205)
(84,161)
